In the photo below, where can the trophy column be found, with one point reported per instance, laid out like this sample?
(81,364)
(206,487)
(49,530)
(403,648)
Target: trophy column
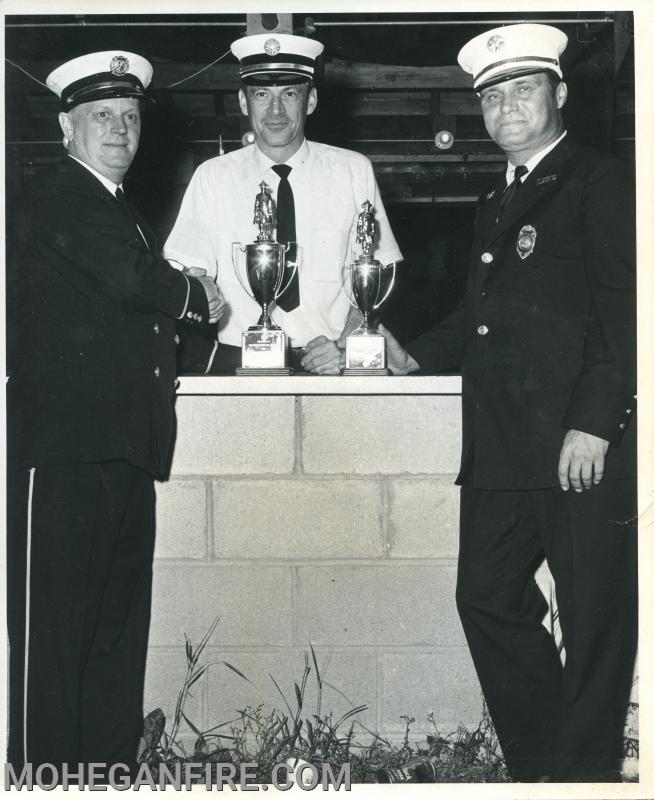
(371,283)
(264,349)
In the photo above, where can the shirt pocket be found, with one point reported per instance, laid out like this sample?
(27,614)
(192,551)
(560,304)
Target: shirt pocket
(324,259)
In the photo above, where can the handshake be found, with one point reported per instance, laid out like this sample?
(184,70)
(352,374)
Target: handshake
(217,304)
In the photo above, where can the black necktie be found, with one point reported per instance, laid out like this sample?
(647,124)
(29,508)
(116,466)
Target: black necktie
(122,200)
(511,190)
(286,233)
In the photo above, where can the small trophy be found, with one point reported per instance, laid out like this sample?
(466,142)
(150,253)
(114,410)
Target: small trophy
(371,282)
(263,344)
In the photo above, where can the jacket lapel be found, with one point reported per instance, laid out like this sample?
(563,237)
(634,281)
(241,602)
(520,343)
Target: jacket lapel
(83,178)
(545,178)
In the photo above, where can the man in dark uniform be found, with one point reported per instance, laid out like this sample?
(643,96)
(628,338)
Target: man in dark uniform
(92,311)
(545,338)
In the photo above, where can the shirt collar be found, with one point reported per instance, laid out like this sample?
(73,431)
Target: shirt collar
(533,161)
(296,160)
(109,185)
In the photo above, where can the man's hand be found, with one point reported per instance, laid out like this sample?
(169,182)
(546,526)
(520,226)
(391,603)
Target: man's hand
(217,304)
(582,460)
(397,359)
(323,356)
(216,301)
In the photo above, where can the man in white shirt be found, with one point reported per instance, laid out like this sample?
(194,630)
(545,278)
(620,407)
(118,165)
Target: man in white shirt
(328,184)
(545,339)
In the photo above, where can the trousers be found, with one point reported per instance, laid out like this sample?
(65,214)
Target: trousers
(80,546)
(562,720)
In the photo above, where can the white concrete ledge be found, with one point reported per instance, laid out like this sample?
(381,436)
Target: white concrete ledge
(319,384)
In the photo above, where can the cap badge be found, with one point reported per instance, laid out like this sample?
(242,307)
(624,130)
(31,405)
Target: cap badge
(272,47)
(119,65)
(495,43)
(526,241)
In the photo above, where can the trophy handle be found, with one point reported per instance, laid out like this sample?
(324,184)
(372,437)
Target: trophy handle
(295,265)
(341,283)
(388,291)
(235,263)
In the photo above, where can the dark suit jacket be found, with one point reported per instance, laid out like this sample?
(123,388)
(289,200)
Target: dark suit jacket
(558,347)
(91,320)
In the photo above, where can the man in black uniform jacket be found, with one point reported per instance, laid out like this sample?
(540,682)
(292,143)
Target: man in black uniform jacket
(545,339)
(92,310)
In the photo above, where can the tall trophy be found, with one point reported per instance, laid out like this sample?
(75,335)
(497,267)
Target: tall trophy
(265,266)
(370,283)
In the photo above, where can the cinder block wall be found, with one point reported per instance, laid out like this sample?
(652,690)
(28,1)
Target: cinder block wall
(329,520)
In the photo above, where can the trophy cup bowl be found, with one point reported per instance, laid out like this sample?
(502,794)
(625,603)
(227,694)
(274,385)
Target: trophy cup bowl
(371,284)
(264,268)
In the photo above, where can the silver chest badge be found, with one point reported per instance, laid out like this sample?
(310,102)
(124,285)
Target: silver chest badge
(526,241)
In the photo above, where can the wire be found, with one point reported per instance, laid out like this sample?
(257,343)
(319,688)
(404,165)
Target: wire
(170,86)
(8,60)
(188,77)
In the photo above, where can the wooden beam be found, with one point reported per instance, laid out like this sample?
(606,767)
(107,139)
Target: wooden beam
(386,76)
(222,76)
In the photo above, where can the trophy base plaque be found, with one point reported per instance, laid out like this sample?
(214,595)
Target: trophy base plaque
(365,354)
(263,352)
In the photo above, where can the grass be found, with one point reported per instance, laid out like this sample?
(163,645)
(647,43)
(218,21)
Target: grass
(268,738)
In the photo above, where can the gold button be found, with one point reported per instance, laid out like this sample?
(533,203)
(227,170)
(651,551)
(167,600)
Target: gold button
(157,372)
(189,314)
(487,258)
(622,426)
(628,411)
(156,327)
(482,330)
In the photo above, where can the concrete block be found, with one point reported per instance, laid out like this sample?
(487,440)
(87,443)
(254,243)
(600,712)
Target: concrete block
(164,678)
(234,435)
(368,435)
(378,605)
(297,519)
(253,603)
(424,518)
(352,674)
(443,683)
(181,519)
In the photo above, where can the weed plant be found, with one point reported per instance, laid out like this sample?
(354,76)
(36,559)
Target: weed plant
(269,738)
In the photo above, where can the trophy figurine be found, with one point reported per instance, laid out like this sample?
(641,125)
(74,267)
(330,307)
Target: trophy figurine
(263,344)
(371,283)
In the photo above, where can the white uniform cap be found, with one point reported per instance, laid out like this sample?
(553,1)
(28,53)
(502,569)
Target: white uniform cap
(97,76)
(513,50)
(276,58)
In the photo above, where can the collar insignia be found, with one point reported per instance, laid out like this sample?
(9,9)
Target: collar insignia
(546,179)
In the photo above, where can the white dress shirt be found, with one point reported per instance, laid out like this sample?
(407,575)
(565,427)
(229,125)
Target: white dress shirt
(329,187)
